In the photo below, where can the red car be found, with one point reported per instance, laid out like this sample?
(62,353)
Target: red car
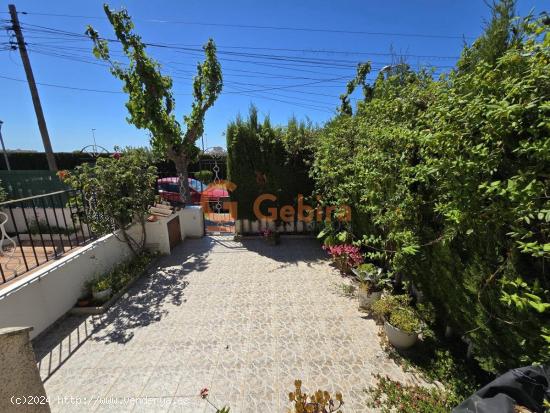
(169,190)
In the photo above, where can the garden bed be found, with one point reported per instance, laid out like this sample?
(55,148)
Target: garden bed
(100,307)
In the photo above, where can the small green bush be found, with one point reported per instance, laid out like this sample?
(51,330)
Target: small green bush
(391,396)
(121,275)
(205,176)
(99,283)
(405,319)
(121,188)
(396,310)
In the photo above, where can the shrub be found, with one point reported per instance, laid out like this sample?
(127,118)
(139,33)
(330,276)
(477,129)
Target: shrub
(345,256)
(396,310)
(119,190)
(120,276)
(448,181)
(99,283)
(263,159)
(391,396)
(205,176)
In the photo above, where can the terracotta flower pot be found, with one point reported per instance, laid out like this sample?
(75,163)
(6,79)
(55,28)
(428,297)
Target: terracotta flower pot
(399,338)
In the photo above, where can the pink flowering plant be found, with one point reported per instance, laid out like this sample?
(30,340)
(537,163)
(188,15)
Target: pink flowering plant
(273,237)
(345,256)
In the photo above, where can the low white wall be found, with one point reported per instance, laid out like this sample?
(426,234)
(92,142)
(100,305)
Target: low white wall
(157,233)
(245,226)
(19,215)
(39,299)
(192,221)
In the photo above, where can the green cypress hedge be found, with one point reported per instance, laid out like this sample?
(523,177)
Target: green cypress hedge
(260,161)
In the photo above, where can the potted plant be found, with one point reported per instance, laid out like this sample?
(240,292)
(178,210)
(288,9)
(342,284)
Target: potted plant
(372,282)
(345,256)
(101,288)
(401,323)
(271,237)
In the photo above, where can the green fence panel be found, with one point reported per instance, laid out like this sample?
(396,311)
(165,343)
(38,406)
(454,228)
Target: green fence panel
(22,184)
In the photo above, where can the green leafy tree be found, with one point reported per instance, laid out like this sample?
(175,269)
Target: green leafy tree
(118,190)
(150,99)
(363,69)
(266,159)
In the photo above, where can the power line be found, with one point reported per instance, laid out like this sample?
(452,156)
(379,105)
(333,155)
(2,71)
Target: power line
(51,30)
(56,40)
(259,27)
(256,96)
(189,76)
(62,86)
(263,56)
(280,61)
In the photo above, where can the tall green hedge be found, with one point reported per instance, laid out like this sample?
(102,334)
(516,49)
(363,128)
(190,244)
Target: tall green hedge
(33,161)
(449,182)
(262,159)
(27,161)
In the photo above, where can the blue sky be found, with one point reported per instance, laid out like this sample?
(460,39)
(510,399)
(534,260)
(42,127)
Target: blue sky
(304,79)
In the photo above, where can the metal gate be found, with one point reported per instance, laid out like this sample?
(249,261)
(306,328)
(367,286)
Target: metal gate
(215,199)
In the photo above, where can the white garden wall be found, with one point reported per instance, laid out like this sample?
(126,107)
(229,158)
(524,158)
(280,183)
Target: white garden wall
(19,215)
(254,227)
(39,299)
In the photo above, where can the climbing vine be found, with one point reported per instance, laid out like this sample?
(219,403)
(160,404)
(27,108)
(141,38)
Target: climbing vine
(448,179)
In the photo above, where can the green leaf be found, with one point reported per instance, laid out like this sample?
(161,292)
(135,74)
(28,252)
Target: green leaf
(540,307)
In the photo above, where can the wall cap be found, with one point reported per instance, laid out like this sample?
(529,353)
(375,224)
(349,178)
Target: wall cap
(12,331)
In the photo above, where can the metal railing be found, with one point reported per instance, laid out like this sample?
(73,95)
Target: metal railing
(39,229)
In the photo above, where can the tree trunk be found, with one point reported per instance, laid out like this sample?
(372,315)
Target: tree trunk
(182,162)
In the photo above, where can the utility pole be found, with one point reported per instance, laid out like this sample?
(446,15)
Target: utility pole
(32,85)
(4,148)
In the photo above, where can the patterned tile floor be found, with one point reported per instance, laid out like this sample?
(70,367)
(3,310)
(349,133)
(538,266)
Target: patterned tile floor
(243,319)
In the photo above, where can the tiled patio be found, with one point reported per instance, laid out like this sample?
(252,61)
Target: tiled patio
(243,319)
